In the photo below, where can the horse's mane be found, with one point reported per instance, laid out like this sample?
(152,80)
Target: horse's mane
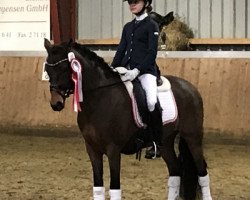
(90,55)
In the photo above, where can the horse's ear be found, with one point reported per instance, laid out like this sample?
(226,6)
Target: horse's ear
(167,19)
(70,44)
(156,17)
(47,44)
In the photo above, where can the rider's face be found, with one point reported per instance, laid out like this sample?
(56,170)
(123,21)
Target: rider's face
(135,6)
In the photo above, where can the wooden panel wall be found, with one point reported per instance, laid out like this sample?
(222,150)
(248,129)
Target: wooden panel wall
(25,98)
(224,86)
(223,83)
(100,19)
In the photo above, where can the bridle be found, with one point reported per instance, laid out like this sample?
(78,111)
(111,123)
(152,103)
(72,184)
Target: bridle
(57,63)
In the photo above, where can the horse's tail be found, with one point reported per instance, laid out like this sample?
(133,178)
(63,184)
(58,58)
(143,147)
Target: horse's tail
(189,178)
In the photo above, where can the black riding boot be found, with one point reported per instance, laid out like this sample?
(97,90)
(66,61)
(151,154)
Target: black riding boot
(155,127)
(156,124)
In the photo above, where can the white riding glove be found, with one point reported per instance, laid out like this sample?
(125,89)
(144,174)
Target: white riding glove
(121,70)
(130,75)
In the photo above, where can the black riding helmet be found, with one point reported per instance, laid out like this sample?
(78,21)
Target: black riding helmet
(134,1)
(148,7)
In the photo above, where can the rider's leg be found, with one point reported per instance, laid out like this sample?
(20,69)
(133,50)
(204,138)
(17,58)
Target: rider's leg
(156,123)
(148,82)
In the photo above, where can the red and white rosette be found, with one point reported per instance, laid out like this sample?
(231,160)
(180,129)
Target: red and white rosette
(77,78)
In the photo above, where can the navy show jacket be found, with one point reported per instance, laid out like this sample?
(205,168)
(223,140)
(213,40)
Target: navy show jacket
(138,46)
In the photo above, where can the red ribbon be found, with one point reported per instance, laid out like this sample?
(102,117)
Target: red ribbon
(77,78)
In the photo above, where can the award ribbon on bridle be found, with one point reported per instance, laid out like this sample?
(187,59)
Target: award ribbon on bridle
(77,78)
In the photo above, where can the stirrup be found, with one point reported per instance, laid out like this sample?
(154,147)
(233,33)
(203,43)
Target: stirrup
(155,150)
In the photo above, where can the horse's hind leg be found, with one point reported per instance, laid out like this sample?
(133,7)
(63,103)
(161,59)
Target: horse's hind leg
(114,158)
(169,156)
(196,150)
(96,159)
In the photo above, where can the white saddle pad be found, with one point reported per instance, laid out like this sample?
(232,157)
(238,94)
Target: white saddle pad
(167,101)
(168,104)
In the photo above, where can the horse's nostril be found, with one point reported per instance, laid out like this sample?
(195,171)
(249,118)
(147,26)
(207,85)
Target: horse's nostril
(58,106)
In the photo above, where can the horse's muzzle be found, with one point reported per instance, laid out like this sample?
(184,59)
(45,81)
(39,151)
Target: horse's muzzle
(58,106)
(57,100)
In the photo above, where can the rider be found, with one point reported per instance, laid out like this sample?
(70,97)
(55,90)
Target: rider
(137,52)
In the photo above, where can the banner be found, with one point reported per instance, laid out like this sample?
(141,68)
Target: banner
(24,24)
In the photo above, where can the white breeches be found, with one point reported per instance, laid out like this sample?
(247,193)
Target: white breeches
(148,82)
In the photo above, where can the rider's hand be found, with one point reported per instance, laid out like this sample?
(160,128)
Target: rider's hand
(130,75)
(121,70)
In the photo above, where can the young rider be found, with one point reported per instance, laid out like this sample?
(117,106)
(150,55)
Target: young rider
(137,52)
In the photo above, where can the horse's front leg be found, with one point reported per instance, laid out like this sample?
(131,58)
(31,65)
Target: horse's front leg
(169,156)
(96,159)
(114,158)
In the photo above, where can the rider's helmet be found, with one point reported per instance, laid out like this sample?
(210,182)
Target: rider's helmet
(146,1)
(148,7)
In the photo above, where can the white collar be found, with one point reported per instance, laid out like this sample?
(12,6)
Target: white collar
(141,17)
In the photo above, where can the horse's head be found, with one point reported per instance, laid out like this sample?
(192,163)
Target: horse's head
(58,68)
(160,20)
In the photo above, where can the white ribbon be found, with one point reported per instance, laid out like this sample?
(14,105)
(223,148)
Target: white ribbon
(77,78)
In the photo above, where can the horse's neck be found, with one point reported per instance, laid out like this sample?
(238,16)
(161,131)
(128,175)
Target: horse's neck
(100,86)
(93,64)
(96,77)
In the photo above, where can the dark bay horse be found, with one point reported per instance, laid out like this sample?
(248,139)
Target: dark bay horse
(108,127)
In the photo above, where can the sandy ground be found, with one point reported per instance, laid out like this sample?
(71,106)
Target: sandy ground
(57,167)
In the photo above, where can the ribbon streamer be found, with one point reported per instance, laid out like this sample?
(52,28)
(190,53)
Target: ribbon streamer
(77,78)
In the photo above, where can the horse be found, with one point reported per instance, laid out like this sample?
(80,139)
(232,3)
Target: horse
(106,122)
(174,33)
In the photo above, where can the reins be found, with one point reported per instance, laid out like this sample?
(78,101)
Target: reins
(105,86)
